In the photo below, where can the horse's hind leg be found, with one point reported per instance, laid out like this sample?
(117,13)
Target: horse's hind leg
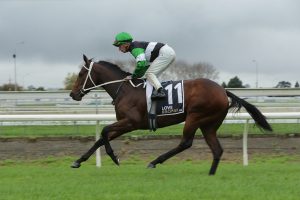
(214,144)
(186,142)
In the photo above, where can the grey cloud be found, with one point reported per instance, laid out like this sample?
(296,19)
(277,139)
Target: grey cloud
(227,33)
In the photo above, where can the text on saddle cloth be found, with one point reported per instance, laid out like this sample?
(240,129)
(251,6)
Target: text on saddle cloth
(174,101)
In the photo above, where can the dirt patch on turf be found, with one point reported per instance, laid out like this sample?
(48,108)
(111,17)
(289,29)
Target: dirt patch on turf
(35,148)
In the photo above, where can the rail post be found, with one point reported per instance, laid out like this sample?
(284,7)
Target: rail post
(245,143)
(98,153)
(97,137)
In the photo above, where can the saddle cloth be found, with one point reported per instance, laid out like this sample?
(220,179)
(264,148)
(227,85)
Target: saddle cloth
(174,102)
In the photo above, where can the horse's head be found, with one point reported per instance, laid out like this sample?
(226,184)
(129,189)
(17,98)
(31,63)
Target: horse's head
(83,82)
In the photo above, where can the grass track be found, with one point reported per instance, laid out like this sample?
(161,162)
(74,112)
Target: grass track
(265,178)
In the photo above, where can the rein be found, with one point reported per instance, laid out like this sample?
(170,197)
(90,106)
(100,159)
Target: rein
(84,90)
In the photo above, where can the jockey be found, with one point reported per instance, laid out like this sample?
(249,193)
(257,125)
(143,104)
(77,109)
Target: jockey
(152,58)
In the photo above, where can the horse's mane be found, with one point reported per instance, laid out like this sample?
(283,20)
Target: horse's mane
(114,67)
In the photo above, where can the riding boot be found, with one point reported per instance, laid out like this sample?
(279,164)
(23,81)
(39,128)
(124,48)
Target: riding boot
(158,94)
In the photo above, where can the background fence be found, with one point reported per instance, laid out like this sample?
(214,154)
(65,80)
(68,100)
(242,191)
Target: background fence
(59,102)
(99,102)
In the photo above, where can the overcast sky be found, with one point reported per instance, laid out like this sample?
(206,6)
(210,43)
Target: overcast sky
(238,37)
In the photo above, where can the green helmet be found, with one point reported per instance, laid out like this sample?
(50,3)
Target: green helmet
(122,38)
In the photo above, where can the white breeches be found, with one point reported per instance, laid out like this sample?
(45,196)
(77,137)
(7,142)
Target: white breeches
(165,58)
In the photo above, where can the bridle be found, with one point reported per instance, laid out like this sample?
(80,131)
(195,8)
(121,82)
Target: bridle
(84,90)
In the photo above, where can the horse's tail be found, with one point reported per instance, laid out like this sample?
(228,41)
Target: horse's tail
(258,117)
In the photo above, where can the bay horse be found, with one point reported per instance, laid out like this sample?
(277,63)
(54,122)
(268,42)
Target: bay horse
(206,105)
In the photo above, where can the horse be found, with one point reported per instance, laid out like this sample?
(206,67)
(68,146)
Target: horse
(206,105)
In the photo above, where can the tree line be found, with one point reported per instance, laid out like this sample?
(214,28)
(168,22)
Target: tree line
(183,70)
(179,70)
(235,82)
(12,87)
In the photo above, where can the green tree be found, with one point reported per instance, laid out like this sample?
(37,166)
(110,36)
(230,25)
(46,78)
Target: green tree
(70,80)
(40,89)
(283,84)
(235,82)
(10,87)
(224,85)
(296,84)
(32,88)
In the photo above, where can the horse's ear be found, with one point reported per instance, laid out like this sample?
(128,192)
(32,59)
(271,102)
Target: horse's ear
(85,59)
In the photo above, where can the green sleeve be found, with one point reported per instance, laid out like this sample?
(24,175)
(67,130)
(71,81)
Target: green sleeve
(141,62)
(140,70)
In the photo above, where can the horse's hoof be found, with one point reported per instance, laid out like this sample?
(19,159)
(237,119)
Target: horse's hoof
(76,165)
(116,160)
(151,166)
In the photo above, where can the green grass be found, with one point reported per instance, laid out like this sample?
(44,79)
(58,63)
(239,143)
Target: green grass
(265,178)
(89,130)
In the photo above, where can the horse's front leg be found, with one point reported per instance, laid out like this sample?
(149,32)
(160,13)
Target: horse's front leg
(108,148)
(108,133)
(120,127)
(88,154)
